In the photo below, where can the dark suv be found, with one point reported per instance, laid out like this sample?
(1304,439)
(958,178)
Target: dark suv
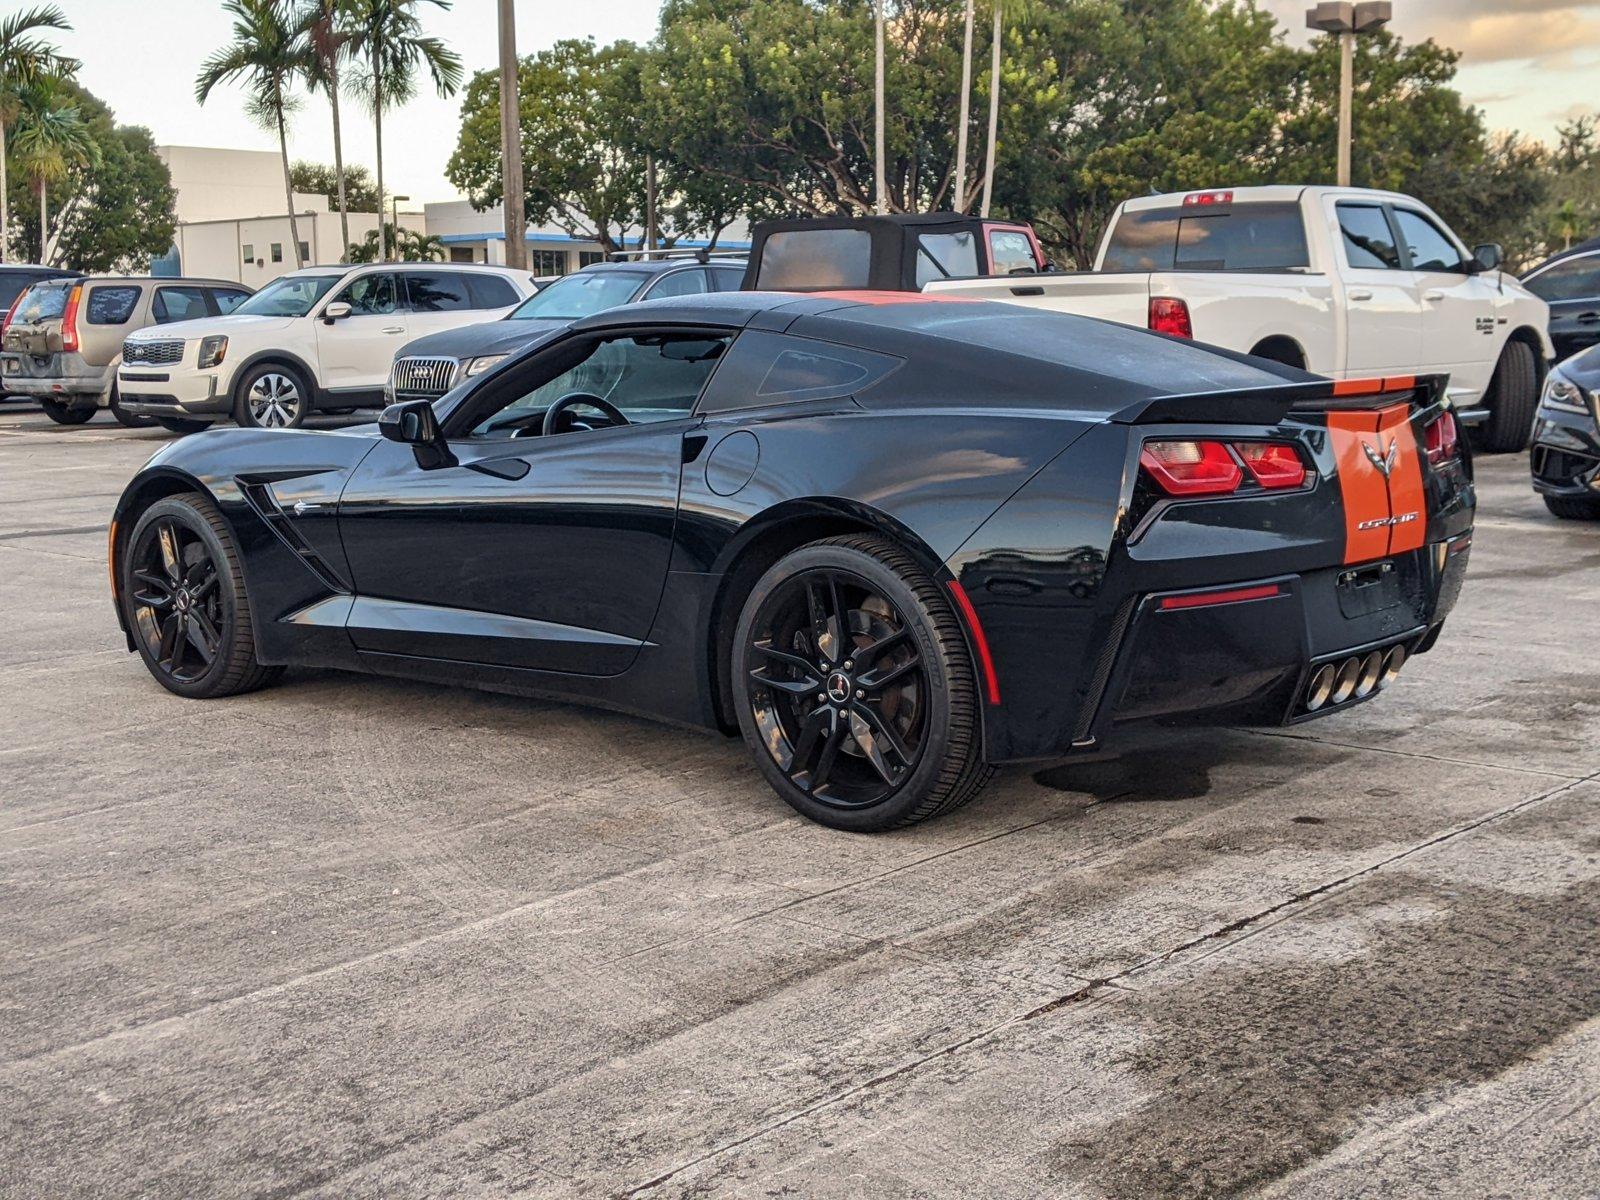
(430,366)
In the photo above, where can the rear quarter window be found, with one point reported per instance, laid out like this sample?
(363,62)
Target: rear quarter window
(490,291)
(1247,237)
(112,305)
(437,291)
(815,258)
(771,368)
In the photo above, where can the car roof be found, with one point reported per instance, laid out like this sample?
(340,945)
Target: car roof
(37,269)
(658,266)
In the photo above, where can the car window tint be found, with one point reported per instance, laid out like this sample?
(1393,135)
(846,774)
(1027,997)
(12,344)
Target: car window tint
(111,305)
(816,258)
(178,304)
(946,256)
(1430,249)
(1145,240)
(228,299)
(795,371)
(490,291)
(42,302)
(1368,240)
(1011,253)
(727,279)
(1252,237)
(677,283)
(650,378)
(370,295)
(437,291)
(1570,279)
(773,368)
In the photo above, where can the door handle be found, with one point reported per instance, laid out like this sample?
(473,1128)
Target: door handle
(1432,295)
(1360,294)
(1588,318)
(394,329)
(501,468)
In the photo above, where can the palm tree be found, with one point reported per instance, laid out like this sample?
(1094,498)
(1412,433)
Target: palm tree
(409,245)
(328,41)
(386,35)
(24,58)
(267,57)
(960,199)
(51,138)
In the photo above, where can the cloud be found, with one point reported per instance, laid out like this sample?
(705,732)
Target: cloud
(1504,37)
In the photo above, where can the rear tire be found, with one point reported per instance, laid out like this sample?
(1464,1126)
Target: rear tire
(183,594)
(63,413)
(1573,508)
(127,419)
(1512,398)
(179,425)
(867,730)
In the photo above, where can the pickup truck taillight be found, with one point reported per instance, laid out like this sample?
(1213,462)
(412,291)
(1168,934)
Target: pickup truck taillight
(69,320)
(1168,314)
(1207,468)
(1442,440)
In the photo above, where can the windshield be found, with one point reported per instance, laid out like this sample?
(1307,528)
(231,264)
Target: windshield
(290,296)
(579,295)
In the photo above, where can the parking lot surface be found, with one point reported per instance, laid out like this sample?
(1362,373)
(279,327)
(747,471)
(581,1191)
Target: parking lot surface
(359,937)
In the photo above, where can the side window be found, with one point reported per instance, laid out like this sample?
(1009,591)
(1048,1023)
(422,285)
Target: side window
(677,283)
(1570,279)
(774,368)
(1430,249)
(1368,240)
(178,304)
(370,295)
(248,253)
(111,305)
(228,299)
(1011,253)
(727,279)
(277,251)
(490,291)
(946,256)
(437,291)
(815,258)
(1143,240)
(652,377)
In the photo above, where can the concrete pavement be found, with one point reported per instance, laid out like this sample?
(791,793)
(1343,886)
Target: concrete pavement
(361,937)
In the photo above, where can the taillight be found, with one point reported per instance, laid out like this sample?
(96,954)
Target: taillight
(1274,464)
(1170,315)
(12,311)
(1191,468)
(1443,439)
(1205,198)
(1207,468)
(69,321)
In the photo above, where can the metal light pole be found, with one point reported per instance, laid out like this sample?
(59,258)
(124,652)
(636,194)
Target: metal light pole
(394,222)
(1347,20)
(516,222)
(881,180)
(994,115)
(960,202)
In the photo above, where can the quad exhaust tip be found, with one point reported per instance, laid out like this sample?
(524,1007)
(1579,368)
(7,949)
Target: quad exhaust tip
(1356,677)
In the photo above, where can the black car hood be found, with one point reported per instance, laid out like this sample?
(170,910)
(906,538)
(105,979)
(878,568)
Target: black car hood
(492,337)
(1583,368)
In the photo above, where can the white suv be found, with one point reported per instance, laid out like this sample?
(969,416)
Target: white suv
(321,338)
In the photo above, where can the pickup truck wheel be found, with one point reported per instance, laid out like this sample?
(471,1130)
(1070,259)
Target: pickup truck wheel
(125,418)
(1512,398)
(179,425)
(1573,508)
(63,413)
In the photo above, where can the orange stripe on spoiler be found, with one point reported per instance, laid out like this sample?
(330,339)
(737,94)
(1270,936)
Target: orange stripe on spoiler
(1362,486)
(1406,497)
(1374,387)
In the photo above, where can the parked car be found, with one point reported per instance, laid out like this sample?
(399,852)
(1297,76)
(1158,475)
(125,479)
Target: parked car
(892,542)
(431,366)
(1345,282)
(62,341)
(1565,458)
(1570,284)
(319,338)
(16,278)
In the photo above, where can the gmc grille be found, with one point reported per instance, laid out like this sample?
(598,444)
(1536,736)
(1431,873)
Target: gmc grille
(423,376)
(154,354)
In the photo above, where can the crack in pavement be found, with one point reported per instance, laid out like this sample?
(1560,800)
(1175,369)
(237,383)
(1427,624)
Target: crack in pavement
(1094,988)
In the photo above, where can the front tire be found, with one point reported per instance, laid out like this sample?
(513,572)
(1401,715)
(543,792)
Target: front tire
(63,413)
(179,425)
(1573,508)
(183,595)
(124,418)
(1512,398)
(854,687)
(272,397)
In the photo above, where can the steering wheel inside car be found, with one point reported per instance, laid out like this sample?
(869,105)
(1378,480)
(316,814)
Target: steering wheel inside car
(553,414)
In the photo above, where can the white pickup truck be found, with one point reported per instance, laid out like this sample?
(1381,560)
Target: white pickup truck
(1346,282)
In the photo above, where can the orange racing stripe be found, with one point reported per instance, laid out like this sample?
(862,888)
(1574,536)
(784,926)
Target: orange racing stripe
(1362,486)
(1406,497)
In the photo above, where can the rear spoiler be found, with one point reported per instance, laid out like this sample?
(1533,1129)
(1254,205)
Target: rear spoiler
(1271,405)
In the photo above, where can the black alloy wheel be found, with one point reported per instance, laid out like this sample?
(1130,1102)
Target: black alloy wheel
(63,413)
(854,687)
(184,598)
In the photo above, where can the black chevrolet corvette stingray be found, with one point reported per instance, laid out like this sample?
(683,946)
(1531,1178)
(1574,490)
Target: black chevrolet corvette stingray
(893,541)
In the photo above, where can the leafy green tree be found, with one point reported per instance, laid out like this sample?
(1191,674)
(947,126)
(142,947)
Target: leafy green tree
(321,179)
(268,56)
(113,213)
(386,38)
(25,57)
(51,140)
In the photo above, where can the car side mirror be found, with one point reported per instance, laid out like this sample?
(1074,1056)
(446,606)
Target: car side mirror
(415,424)
(1488,256)
(336,311)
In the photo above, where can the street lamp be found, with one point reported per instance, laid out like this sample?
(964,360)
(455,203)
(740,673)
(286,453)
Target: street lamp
(394,223)
(1347,20)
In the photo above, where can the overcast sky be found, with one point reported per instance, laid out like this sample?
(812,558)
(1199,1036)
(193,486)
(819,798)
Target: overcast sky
(1527,64)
